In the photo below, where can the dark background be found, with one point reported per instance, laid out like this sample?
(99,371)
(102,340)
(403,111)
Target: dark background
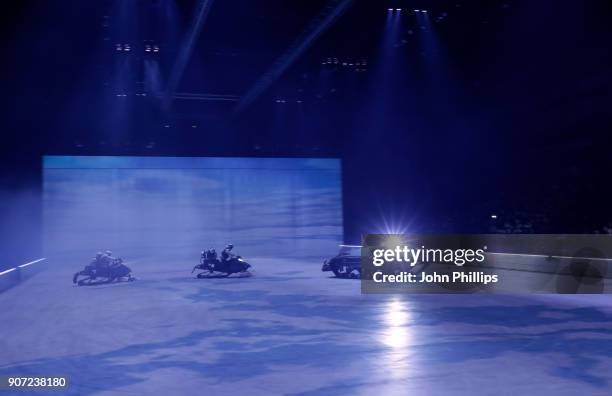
(497,108)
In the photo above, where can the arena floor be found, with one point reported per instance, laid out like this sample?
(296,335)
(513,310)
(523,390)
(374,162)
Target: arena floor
(291,329)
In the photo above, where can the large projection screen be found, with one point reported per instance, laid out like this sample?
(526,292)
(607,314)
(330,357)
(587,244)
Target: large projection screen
(175,206)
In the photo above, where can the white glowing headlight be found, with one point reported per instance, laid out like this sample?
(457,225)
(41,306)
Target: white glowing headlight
(392,241)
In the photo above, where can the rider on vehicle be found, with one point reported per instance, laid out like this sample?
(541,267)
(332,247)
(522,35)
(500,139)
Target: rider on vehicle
(100,262)
(227,252)
(212,254)
(103,265)
(112,261)
(98,259)
(209,254)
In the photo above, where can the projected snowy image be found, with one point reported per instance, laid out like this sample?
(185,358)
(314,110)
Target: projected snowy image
(169,206)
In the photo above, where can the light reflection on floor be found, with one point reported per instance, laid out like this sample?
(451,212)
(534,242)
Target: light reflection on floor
(396,332)
(397,335)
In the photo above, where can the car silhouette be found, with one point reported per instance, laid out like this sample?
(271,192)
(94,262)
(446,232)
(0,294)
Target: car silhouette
(346,264)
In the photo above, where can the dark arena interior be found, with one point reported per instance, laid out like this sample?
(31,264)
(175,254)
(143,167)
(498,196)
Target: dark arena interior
(295,138)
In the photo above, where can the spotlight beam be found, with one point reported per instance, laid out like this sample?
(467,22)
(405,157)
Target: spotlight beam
(324,20)
(185,54)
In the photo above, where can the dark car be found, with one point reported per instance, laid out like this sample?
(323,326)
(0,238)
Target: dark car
(346,264)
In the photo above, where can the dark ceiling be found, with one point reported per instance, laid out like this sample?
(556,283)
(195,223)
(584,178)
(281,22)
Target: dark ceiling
(510,59)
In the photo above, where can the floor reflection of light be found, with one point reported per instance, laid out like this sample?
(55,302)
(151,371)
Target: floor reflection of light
(397,332)
(395,362)
(397,338)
